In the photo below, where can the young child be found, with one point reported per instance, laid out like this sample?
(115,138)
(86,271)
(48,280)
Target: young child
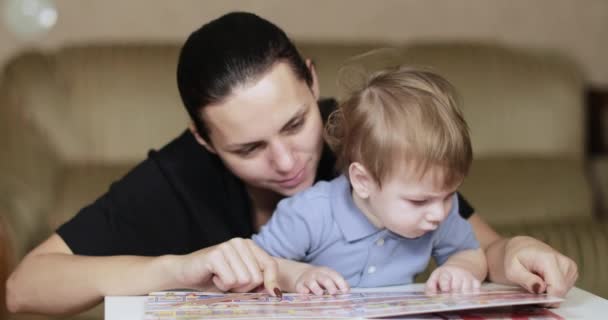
(404,149)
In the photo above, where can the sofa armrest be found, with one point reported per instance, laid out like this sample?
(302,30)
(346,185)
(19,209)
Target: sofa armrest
(6,262)
(29,164)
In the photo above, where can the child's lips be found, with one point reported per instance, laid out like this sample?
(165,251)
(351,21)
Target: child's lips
(431,228)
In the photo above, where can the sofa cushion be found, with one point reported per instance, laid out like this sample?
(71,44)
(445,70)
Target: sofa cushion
(511,191)
(110,103)
(516,102)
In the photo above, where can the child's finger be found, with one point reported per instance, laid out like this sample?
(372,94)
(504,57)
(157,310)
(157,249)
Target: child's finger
(456,284)
(339,281)
(445,280)
(328,283)
(343,286)
(314,287)
(431,283)
(302,288)
(476,284)
(467,284)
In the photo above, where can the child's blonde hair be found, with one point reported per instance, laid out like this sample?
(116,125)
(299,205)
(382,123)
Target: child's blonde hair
(402,116)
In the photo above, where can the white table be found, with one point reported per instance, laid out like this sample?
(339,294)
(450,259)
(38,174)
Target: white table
(579,304)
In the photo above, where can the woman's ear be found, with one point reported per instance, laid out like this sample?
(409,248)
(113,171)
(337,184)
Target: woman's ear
(361,180)
(315,81)
(200,139)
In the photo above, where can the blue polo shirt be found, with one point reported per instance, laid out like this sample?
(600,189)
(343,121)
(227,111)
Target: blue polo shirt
(323,226)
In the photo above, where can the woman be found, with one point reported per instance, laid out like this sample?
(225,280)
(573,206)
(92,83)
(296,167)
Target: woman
(178,219)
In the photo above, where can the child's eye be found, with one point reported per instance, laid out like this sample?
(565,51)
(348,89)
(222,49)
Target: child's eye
(418,202)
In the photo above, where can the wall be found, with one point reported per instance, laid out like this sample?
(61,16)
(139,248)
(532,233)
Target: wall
(578,28)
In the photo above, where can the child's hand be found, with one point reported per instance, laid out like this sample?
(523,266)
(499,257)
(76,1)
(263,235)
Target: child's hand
(320,279)
(451,279)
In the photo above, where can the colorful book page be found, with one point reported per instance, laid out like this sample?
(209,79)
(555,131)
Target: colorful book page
(201,305)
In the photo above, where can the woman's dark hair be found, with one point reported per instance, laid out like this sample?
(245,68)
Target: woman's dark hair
(234,49)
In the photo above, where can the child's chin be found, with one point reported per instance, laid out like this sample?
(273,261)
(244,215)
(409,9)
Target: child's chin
(414,234)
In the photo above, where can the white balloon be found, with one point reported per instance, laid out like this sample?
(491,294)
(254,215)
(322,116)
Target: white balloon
(28,19)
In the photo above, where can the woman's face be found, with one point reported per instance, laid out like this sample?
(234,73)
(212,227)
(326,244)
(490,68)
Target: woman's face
(269,132)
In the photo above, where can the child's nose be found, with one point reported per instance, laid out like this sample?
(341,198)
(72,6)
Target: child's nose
(436,213)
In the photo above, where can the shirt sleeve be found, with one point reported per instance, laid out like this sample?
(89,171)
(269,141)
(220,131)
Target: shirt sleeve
(131,218)
(290,233)
(453,235)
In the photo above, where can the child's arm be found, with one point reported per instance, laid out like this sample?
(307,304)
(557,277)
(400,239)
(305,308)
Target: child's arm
(472,260)
(462,271)
(298,226)
(463,263)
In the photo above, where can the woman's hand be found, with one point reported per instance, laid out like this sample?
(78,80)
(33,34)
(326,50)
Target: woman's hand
(537,267)
(525,261)
(236,265)
(317,280)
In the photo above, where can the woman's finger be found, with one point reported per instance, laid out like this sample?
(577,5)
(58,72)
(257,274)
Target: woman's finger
(224,277)
(250,261)
(241,272)
(269,269)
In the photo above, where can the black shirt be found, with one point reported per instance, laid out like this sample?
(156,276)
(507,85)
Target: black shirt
(180,199)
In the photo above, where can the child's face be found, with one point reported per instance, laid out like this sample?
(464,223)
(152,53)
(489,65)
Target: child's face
(409,206)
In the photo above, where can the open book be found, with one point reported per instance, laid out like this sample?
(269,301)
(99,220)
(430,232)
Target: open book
(181,305)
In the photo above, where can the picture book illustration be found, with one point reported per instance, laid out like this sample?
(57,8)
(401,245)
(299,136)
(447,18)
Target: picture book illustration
(182,305)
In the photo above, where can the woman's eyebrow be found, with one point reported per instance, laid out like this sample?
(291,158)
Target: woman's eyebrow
(303,109)
(235,147)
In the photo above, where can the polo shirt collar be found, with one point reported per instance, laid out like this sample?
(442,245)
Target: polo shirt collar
(350,219)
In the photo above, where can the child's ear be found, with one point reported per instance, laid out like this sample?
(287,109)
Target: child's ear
(200,139)
(361,180)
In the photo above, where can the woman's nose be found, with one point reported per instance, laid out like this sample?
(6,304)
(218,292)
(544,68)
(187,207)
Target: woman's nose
(282,156)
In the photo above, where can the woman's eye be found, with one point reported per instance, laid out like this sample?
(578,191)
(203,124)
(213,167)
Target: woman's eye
(296,125)
(246,151)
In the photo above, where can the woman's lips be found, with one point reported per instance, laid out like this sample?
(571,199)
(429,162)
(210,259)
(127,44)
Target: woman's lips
(293,181)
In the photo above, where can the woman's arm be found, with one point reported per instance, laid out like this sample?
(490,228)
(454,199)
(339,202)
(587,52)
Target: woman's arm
(525,261)
(38,285)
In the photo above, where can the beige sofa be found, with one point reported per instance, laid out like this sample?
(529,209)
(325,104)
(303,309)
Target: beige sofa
(74,120)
